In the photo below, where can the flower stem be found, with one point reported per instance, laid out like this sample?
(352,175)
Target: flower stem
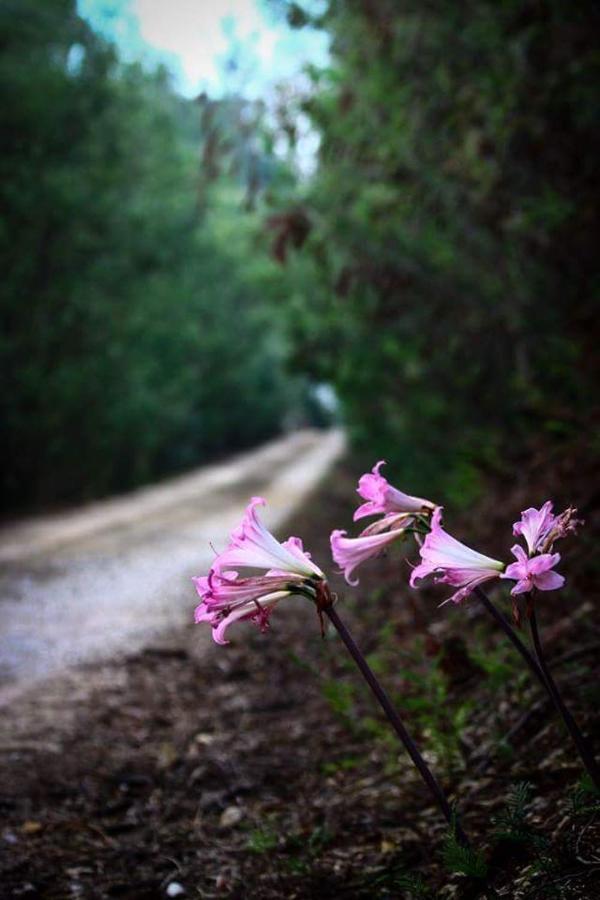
(585,751)
(513,637)
(397,725)
(538,666)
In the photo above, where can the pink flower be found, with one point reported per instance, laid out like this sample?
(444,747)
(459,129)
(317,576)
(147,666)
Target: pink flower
(349,553)
(534,573)
(227,598)
(252,545)
(535,525)
(381,497)
(451,562)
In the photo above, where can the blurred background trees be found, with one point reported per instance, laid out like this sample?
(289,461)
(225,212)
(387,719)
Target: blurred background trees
(453,223)
(173,287)
(137,336)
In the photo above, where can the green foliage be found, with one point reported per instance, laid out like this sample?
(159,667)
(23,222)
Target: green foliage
(413,886)
(461,860)
(440,718)
(419,687)
(511,824)
(305,850)
(262,840)
(585,798)
(341,698)
(137,328)
(344,764)
(447,285)
(497,662)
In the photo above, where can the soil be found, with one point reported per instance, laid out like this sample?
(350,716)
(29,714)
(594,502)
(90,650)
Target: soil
(264,770)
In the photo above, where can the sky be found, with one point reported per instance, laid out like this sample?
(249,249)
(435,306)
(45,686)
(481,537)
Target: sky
(197,40)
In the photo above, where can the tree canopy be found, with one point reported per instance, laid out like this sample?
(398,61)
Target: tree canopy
(137,336)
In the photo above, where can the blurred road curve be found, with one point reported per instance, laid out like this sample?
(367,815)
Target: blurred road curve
(84,585)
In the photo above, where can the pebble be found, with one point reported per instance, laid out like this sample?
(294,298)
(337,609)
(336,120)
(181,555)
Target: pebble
(231,816)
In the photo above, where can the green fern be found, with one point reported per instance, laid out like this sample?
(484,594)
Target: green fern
(396,878)
(585,798)
(461,860)
(511,824)
(413,885)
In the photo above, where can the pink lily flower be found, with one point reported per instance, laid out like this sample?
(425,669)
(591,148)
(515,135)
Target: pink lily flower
(349,553)
(451,562)
(535,525)
(536,572)
(226,598)
(252,545)
(541,528)
(382,497)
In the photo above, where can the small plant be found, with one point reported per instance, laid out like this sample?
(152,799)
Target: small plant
(496,664)
(345,764)
(262,840)
(585,798)
(461,860)
(413,885)
(396,878)
(511,824)
(303,850)
(441,721)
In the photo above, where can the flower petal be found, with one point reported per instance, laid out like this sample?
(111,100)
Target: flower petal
(349,553)
(451,562)
(382,497)
(549,581)
(521,587)
(253,546)
(534,525)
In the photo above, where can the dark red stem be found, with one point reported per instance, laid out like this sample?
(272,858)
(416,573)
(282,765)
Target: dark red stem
(513,637)
(585,750)
(398,726)
(539,667)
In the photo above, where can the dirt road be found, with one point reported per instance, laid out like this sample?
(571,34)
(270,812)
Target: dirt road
(83,586)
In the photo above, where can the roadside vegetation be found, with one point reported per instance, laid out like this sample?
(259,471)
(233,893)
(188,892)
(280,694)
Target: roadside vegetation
(265,769)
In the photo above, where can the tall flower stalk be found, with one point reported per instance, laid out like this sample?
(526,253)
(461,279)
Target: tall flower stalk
(227,598)
(450,562)
(583,748)
(538,665)
(397,724)
(534,571)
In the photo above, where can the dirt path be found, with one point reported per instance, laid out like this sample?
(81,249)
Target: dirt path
(83,586)
(263,771)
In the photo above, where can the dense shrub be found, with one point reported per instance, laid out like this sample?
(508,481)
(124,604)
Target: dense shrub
(447,283)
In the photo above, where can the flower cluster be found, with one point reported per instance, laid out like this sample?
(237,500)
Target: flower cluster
(226,597)
(540,528)
(286,569)
(443,557)
(398,512)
